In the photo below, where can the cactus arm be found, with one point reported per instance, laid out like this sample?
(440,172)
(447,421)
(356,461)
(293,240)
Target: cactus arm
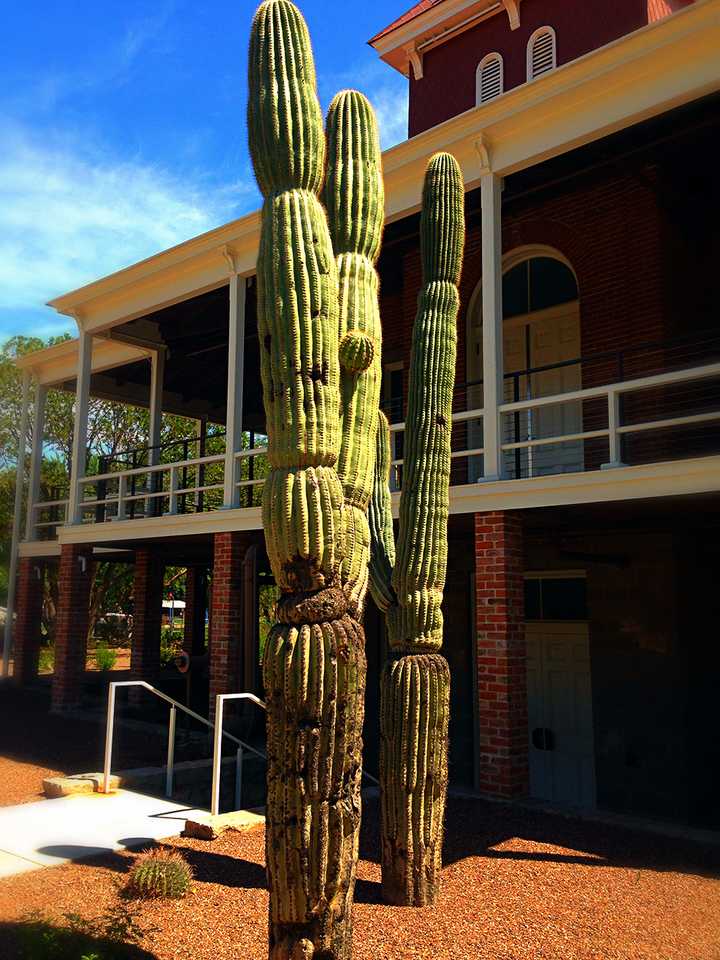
(354,200)
(382,537)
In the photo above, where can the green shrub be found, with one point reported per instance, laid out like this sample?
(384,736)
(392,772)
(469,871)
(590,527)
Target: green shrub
(46,660)
(160,873)
(171,642)
(105,658)
(112,936)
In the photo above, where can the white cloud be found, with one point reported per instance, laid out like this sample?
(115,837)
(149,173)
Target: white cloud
(70,213)
(386,90)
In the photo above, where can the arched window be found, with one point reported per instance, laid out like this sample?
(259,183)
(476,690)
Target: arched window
(542,356)
(489,78)
(541,52)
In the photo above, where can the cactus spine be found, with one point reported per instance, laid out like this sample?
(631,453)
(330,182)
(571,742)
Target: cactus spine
(316,496)
(415,685)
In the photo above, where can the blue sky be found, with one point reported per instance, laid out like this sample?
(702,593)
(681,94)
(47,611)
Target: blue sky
(123,132)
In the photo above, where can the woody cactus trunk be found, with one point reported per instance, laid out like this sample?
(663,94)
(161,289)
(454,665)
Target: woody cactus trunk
(415,684)
(319,335)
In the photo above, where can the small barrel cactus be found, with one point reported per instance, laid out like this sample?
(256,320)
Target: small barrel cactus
(161,873)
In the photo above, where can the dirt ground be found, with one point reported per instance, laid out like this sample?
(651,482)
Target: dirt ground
(518,885)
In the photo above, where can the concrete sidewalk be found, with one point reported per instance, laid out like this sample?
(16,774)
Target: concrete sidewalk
(49,832)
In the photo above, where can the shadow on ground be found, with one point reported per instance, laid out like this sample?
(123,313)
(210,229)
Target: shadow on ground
(474,828)
(37,939)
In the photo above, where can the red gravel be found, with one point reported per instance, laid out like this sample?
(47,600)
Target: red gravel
(518,885)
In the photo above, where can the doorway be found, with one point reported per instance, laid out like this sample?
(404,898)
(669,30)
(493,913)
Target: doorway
(560,719)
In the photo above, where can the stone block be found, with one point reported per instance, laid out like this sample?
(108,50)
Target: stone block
(210,827)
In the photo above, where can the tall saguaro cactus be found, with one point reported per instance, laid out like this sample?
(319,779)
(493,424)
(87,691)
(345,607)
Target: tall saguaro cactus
(415,685)
(320,353)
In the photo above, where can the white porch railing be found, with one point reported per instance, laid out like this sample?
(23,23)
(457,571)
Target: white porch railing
(527,428)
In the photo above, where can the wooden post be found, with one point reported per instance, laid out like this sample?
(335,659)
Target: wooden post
(492,330)
(17,526)
(79,448)
(236,359)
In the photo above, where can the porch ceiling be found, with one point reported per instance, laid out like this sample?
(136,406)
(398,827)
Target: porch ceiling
(194,333)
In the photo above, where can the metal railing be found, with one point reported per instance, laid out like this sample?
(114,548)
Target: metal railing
(170,761)
(217,748)
(162,481)
(530,440)
(217,744)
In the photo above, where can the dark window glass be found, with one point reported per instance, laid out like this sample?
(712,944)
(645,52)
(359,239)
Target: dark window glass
(395,414)
(551,283)
(533,609)
(515,291)
(556,598)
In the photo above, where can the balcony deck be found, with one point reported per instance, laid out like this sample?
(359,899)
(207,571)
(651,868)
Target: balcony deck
(655,434)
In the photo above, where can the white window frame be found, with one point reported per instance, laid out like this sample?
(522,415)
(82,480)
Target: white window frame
(529,52)
(494,56)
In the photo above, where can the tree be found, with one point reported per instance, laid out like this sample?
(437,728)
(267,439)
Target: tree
(113,428)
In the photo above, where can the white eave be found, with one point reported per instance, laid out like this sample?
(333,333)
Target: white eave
(58,364)
(404,44)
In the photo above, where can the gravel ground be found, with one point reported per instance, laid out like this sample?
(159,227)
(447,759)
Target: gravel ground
(518,885)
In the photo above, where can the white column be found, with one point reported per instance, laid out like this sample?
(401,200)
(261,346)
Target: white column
(17,526)
(38,435)
(236,360)
(492,329)
(82,402)
(157,379)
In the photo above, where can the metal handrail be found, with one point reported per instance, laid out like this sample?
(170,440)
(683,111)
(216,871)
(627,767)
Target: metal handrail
(217,749)
(175,705)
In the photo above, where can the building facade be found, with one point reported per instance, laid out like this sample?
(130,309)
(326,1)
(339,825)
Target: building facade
(585,499)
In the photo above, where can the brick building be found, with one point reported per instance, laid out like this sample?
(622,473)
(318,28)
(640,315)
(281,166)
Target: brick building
(585,499)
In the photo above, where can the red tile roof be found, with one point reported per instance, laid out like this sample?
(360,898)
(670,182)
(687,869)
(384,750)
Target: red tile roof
(406,17)
(658,9)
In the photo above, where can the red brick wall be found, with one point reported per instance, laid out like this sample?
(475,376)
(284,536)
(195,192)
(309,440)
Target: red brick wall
(610,227)
(501,654)
(147,615)
(71,625)
(448,84)
(227,613)
(28,620)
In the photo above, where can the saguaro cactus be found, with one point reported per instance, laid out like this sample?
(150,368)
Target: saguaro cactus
(415,685)
(316,496)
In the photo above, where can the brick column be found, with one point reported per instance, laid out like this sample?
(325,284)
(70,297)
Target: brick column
(74,581)
(195,608)
(28,604)
(501,654)
(147,616)
(227,614)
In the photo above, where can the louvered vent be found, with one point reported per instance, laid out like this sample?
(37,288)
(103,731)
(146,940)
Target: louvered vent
(541,52)
(490,78)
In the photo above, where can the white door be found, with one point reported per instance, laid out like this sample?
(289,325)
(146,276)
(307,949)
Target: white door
(562,766)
